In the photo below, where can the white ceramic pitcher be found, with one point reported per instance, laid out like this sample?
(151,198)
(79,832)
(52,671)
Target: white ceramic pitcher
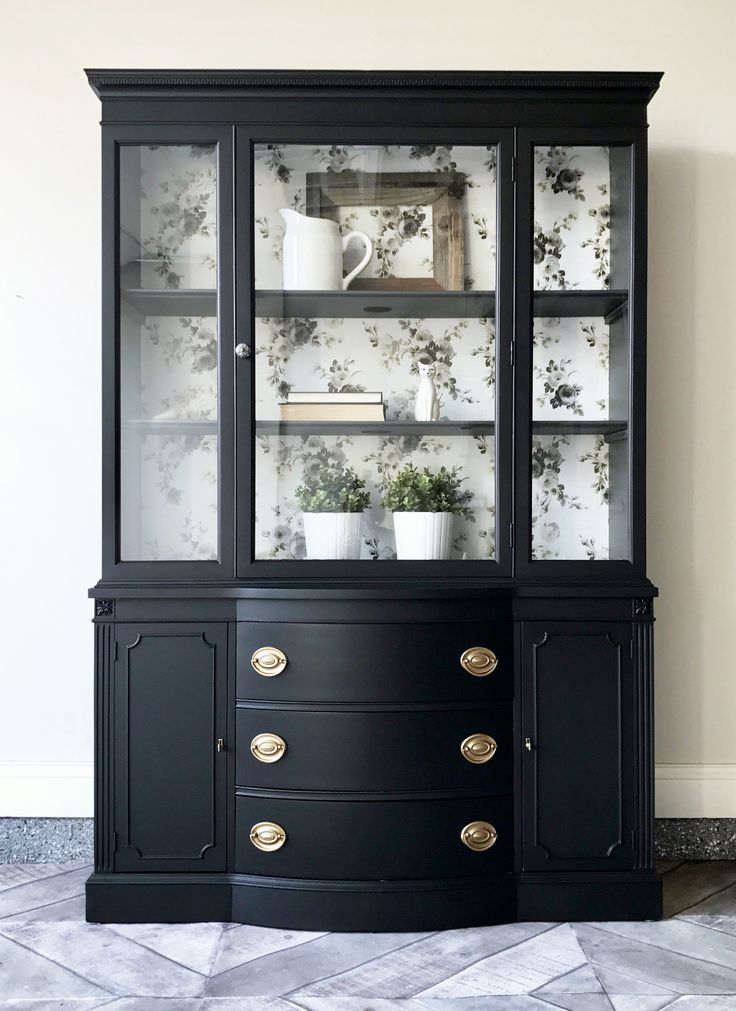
(313,251)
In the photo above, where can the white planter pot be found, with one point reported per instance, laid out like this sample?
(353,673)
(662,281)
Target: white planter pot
(332,535)
(423,535)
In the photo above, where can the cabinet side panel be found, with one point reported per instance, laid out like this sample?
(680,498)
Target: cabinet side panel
(644,674)
(104,829)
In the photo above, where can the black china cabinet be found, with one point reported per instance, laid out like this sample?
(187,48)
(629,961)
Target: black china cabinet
(374,632)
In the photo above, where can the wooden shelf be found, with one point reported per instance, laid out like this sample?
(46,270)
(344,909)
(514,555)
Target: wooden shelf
(376,304)
(433,428)
(426,428)
(173,426)
(580,427)
(373,304)
(172,301)
(609,304)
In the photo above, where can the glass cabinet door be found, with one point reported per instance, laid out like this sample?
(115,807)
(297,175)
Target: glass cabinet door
(168,352)
(580,351)
(375,352)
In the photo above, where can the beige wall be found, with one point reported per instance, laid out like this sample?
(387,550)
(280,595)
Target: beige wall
(49,283)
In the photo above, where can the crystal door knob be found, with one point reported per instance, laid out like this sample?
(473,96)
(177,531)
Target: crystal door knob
(267,836)
(479,836)
(268,747)
(243,350)
(478,748)
(479,661)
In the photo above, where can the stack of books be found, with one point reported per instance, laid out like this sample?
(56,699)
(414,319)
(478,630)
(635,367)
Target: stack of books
(324,406)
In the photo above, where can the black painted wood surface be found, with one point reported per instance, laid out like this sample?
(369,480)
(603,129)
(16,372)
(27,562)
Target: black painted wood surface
(342,749)
(375,663)
(170,709)
(578,713)
(373,704)
(366,840)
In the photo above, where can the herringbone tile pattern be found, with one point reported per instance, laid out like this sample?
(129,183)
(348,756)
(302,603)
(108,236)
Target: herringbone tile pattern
(51,959)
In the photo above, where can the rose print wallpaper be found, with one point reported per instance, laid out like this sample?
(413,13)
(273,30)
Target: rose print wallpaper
(177,209)
(569,497)
(572,218)
(169,440)
(401,235)
(570,369)
(168,363)
(170,376)
(348,355)
(570,361)
(282,460)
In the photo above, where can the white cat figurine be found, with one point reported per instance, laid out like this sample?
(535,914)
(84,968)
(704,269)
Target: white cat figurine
(426,406)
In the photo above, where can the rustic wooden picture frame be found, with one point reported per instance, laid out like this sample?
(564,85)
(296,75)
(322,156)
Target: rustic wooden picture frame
(326,192)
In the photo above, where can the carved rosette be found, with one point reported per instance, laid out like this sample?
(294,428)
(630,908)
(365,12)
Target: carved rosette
(104,608)
(642,608)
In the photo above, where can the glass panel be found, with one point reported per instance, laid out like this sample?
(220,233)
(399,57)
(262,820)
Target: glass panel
(391,335)
(580,359)
(168,352)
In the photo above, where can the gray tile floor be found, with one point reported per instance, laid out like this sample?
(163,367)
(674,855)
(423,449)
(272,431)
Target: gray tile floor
(50,958)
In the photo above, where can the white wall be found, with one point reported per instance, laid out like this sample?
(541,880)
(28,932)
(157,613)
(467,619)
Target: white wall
(49,307)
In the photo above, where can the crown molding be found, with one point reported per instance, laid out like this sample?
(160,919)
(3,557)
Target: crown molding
(117,83)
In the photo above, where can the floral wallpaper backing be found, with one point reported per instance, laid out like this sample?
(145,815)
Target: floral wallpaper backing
(177,205)
(572,218)
(570,362)
(347,355)
(170,474)
(402,235)
(378,355)
(169,375)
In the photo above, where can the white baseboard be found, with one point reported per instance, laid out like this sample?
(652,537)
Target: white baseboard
(65,790)
(46,789)
(695,791)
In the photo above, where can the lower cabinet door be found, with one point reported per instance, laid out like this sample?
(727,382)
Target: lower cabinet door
(578,746)
(170,778)
(366,840)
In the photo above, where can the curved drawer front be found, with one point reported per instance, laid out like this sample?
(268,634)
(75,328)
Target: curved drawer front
(376,751)
(374,663)
(367,840)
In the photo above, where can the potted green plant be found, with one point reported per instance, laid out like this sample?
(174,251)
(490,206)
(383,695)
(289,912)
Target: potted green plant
(424,504)
(332,499)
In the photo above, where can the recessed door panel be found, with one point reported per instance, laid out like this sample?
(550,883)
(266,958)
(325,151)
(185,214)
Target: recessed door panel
(170,776)
(577,748)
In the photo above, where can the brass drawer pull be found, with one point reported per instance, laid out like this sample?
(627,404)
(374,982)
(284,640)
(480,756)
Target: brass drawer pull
(268,661)
(268,747)
(478,748)
(479,836)
(479,661)
(267,836)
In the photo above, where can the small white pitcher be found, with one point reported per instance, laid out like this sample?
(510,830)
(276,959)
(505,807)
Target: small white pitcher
(313,251)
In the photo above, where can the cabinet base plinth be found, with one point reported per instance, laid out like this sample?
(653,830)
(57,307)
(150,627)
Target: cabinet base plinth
(587,896)
(157,898)
(371,906)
